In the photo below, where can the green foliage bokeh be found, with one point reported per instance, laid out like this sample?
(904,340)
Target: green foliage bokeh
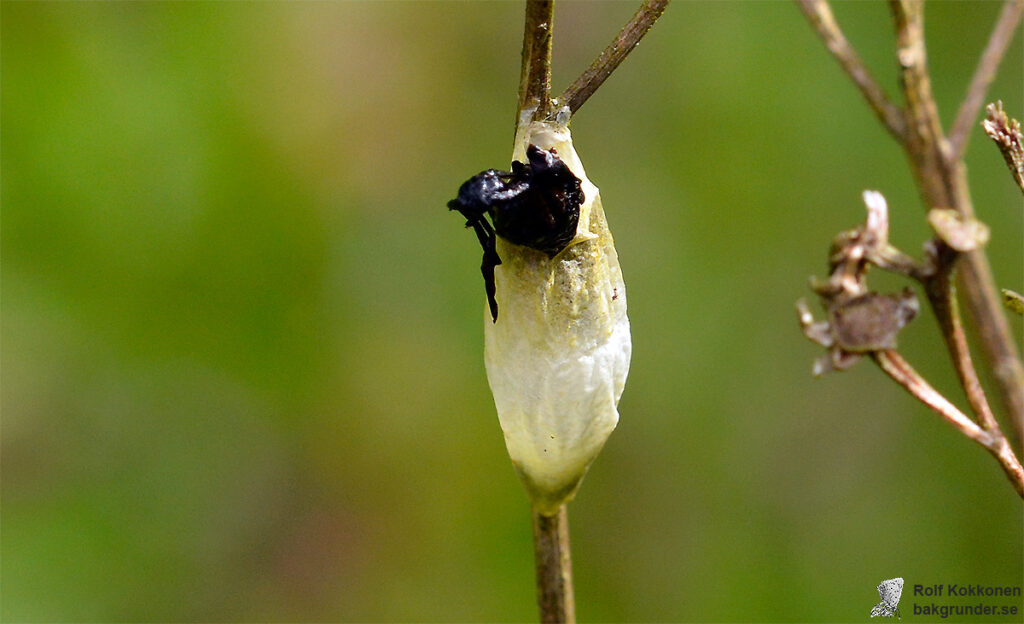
(242,346)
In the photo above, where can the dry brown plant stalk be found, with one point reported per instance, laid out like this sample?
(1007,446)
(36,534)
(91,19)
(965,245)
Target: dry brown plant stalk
(551,532)
(936,159)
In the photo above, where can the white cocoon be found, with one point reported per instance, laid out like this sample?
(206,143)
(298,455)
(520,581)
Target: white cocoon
(558,355)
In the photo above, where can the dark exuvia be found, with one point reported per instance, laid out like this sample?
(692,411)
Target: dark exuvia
(536,205)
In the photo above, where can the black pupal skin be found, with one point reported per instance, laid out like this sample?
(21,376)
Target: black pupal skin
(536,205)
(541,208)
(485,234)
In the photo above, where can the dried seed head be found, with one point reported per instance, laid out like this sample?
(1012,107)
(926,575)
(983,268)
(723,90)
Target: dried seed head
(871,322)
(859,320)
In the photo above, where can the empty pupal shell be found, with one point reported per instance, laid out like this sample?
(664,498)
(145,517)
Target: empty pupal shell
(558,355)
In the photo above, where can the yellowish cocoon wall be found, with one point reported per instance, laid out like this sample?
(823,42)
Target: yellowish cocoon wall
(558,356)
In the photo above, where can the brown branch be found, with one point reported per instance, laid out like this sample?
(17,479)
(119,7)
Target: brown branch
(861,321)
(904,374)
(554,567)
(942,297)
(819,14)
(1008,138)
(998,41)
(612,56)
(924,138)
(550,533)
(983,303)
(941,179)
(943,184)
(535,81)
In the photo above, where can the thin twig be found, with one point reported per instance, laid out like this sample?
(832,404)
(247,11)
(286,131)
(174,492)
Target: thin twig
(942,181)
(612,56)
(819,14)
(904,374)
(535,81)
(939,288)
(554,567)
(1000,39)
(943,184)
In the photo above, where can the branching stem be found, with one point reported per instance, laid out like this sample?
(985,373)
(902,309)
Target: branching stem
(943,184)
(1000,39)
(551,533)
(904,374)
(819,14)
(939,172)
(612,56)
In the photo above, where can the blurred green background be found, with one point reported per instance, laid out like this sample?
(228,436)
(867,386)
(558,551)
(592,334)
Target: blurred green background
(242,335)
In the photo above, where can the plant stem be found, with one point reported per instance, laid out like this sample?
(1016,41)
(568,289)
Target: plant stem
(937,165)
(612,56)
(550,533)
(554,567)
(904,374)
(943,184)
(1000,39)
(942,297)
(535,81)
(819,14)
